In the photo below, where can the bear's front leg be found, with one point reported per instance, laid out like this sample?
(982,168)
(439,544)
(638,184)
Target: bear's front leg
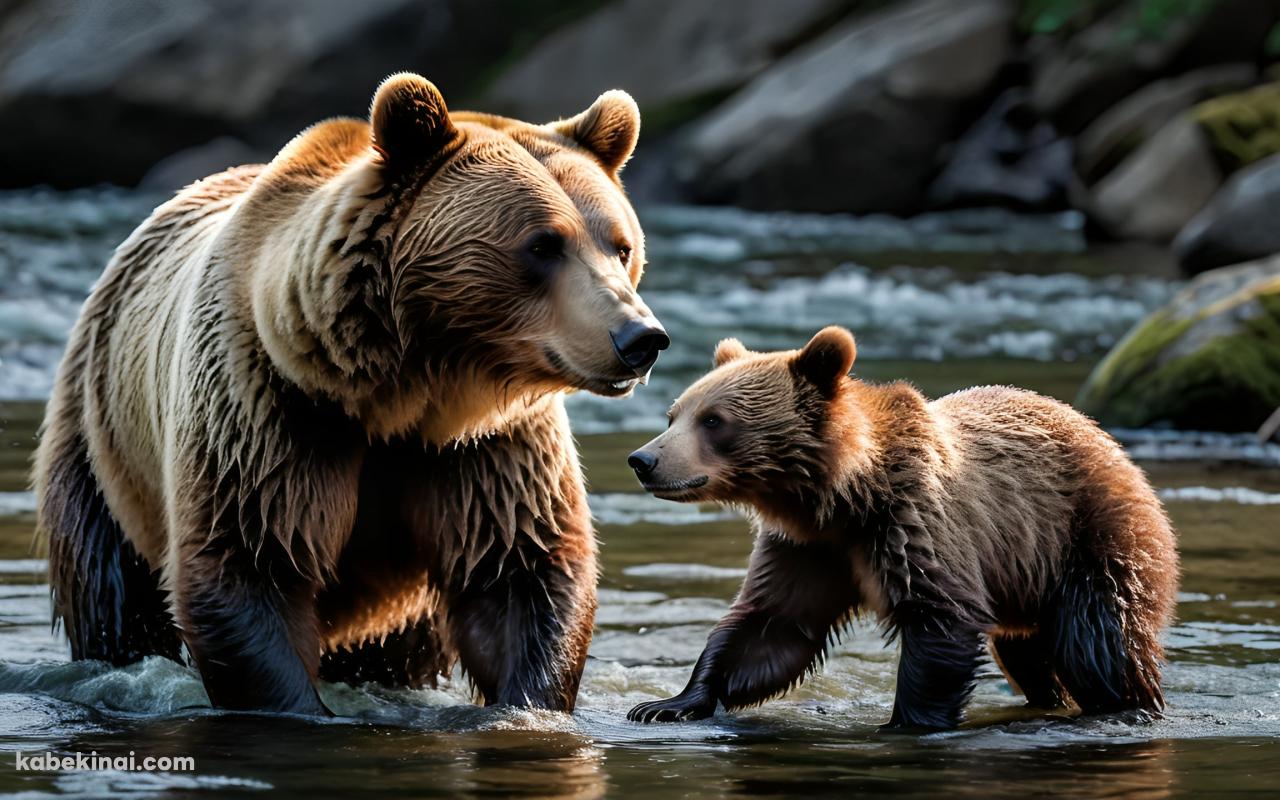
(519,558)
(777,631)
(251,633)
(522,637)
(940,656)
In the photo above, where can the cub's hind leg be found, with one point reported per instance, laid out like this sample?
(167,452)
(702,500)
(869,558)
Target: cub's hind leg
(1027,661)
(1104,658)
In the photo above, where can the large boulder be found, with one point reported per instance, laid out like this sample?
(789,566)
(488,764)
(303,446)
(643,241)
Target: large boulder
(1157,189)
(1241,223)
(1209,360)
(1125,126)
(1076,80)
(691,53)
(853,120)
(1010,157)
(93,92)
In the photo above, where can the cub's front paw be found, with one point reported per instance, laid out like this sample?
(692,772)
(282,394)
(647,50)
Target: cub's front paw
(684,706)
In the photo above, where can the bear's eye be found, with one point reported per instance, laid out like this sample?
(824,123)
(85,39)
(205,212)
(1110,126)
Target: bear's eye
(712,421)
(546,246)
(624,253)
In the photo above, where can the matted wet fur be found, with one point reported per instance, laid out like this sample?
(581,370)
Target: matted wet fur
(310,420)
(992,515)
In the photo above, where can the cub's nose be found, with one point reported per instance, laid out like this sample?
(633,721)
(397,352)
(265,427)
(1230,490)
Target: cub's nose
(642,462)
(638,343)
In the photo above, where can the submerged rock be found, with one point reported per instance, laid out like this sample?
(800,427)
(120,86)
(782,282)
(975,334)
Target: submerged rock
(853,120)
(1208,360)
(1241,223)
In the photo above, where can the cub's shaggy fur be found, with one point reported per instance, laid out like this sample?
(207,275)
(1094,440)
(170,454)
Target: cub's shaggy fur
(310,421)
(991,514)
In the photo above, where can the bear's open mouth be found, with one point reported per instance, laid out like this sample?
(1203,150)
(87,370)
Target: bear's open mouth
(676,487)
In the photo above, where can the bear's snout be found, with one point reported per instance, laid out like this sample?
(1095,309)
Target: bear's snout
(638,343)
(643,463)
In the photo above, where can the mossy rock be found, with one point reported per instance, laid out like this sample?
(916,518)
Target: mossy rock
(1243,127)
(1209,360)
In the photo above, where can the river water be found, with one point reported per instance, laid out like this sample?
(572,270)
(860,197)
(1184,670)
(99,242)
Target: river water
(945,301)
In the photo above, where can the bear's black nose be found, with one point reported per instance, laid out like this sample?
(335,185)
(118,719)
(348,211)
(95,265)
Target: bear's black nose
(642,462)
(638,343)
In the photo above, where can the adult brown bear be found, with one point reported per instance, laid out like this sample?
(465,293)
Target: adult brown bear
(310,422)
(989,514)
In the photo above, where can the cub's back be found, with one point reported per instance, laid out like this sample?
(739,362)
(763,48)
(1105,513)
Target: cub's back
(1016,482)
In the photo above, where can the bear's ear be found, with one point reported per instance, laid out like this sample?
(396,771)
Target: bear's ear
(609,129)
(728,350)
(826,359)
(410,120)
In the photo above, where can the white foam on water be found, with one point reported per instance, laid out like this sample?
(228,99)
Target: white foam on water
(628,508)
(1148,444)
(715,271)
(1230,494)
(115,783)
(13,503)
(684,572)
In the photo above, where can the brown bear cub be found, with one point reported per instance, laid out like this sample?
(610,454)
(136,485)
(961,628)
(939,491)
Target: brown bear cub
(992,513)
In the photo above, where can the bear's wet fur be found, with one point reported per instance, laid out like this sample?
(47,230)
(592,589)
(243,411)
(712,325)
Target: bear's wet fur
(310,422)
(992,516)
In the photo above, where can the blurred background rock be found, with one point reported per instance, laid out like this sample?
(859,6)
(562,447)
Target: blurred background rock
(1157,121)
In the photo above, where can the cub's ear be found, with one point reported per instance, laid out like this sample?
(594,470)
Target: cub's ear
(728,350)
(826,359)
(609,129)
(410,120)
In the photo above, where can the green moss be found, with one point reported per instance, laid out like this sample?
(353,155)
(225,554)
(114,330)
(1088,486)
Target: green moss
(1109,394)
(1231,382)
(1145,20)
(1243,127)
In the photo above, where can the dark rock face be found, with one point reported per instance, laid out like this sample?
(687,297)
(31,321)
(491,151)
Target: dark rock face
(186,166)
(1209,360)
(691,52)
(1011,158)
(1076,81)
(99,92)
(853,120)
(1241,223)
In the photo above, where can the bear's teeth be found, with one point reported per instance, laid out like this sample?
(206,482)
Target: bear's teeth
(620,384)
(644,379)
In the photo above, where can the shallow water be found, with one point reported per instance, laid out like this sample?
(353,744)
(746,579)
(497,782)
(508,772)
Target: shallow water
(914,292)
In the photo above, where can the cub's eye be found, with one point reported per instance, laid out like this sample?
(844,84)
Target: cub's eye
(712,421)
(546,246)
(624,253)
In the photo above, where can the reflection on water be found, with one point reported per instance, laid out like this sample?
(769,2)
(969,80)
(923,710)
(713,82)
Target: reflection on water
(947,302)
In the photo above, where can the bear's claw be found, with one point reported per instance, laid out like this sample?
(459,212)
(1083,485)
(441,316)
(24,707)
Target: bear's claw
(680,708)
